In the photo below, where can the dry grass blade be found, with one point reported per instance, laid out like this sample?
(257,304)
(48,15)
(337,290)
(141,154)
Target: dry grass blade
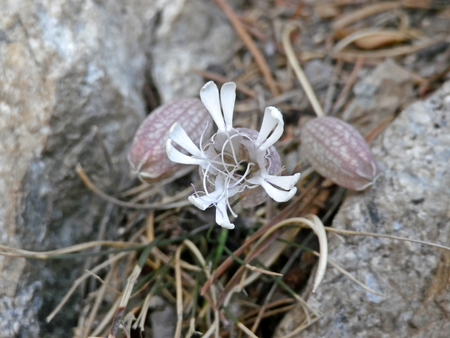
(123,302)
(374,133)
(288,29)
(179,292)
(389,52)
(332,87)
(267,253)
(202,261)
(369,234)
(246,330)
(262,271)
(302,327)
(348,86)
(167,260)
(364,13)
(364,33)
(140,320)
(240,278)
(221,80)
(294,257)
(163,205)
(315,224)
(80,280)
(131,280)
(346,273)
(100,327)
(279,304)
(14,252)
(98,301)
(214,329)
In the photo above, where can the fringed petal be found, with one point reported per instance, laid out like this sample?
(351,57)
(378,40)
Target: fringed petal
(201,202)
(277,194)
(176,156)
(284,182)
(228,98)
(180,137)
(222,217)
(205,201)
(209,94)
(272,125)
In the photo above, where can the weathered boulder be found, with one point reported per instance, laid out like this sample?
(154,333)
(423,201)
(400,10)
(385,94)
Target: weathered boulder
(410,199)
(71,79)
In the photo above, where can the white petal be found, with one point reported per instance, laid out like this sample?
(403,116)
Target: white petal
(202,202)
(272,119)
(284,182)
(222,216)
(256,178)
(175,156)
(180,137)
(276,194)
(209,95)
(228,98)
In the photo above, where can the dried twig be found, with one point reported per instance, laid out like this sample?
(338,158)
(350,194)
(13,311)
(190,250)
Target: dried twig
(369,234)
(332,87)
(348,86)
(221,80)
(390,52)
(259,58)
(15,252)
(163,205)
(314,223)
(388,35)
(120,312)
(288,29)
(364,12)
(80,280)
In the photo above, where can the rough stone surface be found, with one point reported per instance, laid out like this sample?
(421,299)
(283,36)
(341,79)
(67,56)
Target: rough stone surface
(67,67)
(191,35)
(71,78)
(163,317)
(411,200)
(379,95)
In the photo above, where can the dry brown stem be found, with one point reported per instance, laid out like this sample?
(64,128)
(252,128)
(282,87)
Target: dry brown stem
(250,44)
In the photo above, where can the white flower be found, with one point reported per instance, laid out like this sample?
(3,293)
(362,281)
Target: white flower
(234,161)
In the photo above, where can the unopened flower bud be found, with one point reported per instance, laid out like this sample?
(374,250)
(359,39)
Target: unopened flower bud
(147,155)
(339,153)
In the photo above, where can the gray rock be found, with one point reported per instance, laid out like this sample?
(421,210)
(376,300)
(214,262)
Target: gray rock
(411,200)
(379,95)
(71,78)
(319,74)
(192,35)
(163,318)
